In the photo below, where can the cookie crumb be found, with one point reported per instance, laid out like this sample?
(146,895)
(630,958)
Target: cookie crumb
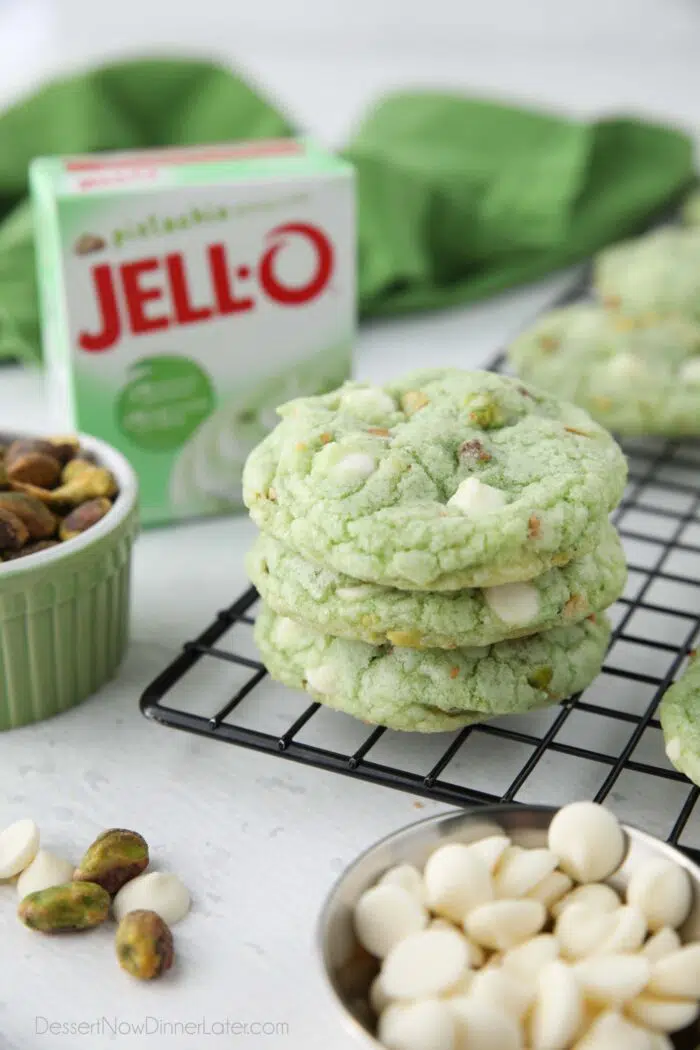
(378,431)
(454,671)
(576,604)
(549,343)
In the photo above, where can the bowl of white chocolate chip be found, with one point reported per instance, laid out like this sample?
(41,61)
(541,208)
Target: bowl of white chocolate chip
(517,928)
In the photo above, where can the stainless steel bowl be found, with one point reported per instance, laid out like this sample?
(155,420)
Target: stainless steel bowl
(349,969)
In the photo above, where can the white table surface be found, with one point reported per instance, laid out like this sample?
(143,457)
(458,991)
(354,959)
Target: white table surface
(260,840)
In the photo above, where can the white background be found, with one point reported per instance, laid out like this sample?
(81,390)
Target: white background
(260,841)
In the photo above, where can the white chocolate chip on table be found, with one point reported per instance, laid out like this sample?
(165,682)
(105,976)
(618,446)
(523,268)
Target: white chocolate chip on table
(19,844)
(156,891)
(45,870)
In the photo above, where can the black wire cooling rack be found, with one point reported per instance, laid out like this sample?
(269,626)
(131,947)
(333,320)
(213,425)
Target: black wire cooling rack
(604,744)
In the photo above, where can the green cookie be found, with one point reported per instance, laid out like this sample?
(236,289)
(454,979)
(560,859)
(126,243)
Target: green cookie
(691,209)
(443,480)
(657,275)
(634,377)
(340,605)
(679,713)
(431,690)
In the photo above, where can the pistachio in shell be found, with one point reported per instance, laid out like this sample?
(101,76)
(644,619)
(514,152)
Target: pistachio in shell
(13,532)
(74,467)
(144,945)
(90,483)
(115,857)
(33,462)
(40,522)
(65,446)
(61,909)
(83,517)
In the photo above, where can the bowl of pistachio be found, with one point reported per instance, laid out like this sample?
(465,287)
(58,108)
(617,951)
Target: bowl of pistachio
(68,517)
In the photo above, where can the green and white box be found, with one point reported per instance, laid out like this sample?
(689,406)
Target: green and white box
(186,293)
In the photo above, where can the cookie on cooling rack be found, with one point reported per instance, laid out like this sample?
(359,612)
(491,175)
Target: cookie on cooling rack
(435,689)
(443,480)
(657,275)
(679,713)
(337,604)
(634,376)
(691,209)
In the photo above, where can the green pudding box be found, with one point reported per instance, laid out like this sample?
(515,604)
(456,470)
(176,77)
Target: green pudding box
(186,293)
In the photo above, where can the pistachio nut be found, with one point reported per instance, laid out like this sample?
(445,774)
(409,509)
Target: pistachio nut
(65,446)
(82,517)
(144,945)
(88,484)
(34,462)
(40,522)
(13,532)
(74,467)
(115,857)
(72,906)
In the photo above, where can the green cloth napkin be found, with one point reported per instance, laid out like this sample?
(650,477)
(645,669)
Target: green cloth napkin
(459,198)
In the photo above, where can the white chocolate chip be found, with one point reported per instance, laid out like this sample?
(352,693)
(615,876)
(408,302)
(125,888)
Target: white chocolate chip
(558,1009)
(662,891)
(626,366)
(372,404)
(456,880)
(408,877)
(321,679)
(660,1041)
(461,986)
(428,1025)
(520,870)
(677,975)
(513,603)
(475,953)
(351,594)
(424,964)
(612,1031)
(663,942)
(527,960)
(502,924)
(378,999)
(689,371)
(580,930)
(551,889)
(481,1026)
(674,749)
(613,979)
(588,841)
(491,849)
(594,895)
(288,631)
(45,870)
(384,915)
(19,844)
(628,930)
(663,1015)
(502,990)
(356,466)
(156,891)
(475,499)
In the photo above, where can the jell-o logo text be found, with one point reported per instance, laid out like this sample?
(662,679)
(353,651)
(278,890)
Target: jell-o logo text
(143,283)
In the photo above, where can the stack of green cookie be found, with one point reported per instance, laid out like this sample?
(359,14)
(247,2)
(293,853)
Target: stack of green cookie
(437,551)
(632,358)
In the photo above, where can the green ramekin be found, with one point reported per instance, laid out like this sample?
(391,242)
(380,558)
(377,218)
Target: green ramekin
(64,612)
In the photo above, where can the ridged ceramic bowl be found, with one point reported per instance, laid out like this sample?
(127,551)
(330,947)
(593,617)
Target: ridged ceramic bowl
(64,612)
(349,970)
